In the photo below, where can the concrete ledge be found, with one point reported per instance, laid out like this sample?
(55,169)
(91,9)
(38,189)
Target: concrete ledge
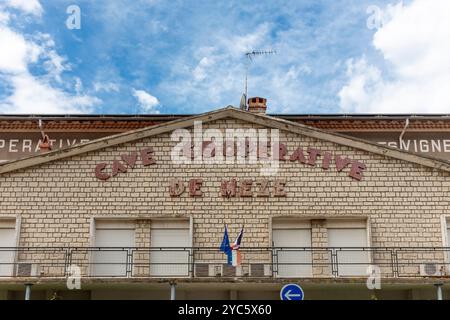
(223,280)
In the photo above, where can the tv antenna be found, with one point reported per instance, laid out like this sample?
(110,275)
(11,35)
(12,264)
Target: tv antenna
(249,58)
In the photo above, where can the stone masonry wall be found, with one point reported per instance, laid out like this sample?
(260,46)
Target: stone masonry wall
(57,200)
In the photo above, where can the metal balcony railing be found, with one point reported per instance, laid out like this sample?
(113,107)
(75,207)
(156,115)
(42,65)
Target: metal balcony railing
(199,262)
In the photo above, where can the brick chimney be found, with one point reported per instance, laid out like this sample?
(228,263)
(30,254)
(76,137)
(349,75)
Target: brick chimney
(257,105)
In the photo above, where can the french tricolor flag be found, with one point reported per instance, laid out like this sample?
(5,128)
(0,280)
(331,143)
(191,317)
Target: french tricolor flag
(236,254)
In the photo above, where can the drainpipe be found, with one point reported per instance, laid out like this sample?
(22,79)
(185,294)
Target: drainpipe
(28,291)
(400,139)
(172,290)
(439,290)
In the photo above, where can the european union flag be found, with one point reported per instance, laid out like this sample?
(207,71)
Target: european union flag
(225,246)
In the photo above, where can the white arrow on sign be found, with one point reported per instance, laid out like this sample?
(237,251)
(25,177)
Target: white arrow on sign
(290,295)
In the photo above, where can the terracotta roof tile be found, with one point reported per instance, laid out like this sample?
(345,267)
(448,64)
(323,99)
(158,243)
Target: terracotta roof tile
(122,125)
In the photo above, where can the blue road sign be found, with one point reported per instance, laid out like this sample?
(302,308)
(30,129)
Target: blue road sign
(292,291)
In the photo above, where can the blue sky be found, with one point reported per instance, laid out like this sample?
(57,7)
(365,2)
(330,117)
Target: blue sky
(157,56)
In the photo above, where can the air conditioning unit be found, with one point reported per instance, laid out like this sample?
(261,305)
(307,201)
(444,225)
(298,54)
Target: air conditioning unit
(432,270)
(260,270)
(201,270)
(243,271)
(215,270)
(254,270)
(27,269)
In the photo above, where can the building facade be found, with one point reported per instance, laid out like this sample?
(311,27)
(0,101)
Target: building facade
(337,213)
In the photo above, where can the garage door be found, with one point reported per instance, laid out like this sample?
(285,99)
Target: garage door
(291,261)
(7,242)
(113,238)
(168,240)
(351,262)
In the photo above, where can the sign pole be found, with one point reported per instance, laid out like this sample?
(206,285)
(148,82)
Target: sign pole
(173,290)
(28,291)
(439,290)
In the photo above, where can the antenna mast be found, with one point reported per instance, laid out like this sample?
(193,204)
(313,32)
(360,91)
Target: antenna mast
(249,58)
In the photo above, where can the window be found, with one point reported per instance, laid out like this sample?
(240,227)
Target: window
(7,244)
(292,240)
(169,240)
(113,238)
(348,237)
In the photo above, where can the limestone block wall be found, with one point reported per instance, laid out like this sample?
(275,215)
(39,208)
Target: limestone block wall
(57,201)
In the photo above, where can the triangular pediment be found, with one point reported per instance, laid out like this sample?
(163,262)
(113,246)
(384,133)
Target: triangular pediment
(225,113)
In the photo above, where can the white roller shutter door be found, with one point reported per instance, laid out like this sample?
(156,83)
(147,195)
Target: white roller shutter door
(7,240)
(292,262)
(351,262)
(448,245)
(168,256)
(114,238)
(448,233)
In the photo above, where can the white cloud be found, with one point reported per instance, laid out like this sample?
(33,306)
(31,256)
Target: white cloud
(237,45)
(78,85)
(147,102)
(216,71)
(27,6)
(213,75)
(4,17)
(30,93)
(200,71)
(52,62)
(16,52)
(156,26)
(416,49)
(106,86)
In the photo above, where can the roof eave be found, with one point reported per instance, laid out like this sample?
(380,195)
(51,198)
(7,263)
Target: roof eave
(264,120)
